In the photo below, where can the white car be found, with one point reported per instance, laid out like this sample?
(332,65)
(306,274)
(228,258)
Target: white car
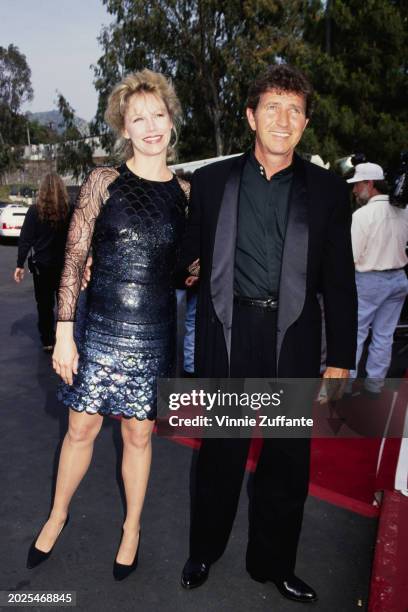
(11,220)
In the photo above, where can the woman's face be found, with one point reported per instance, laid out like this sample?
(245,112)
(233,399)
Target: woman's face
(148,124)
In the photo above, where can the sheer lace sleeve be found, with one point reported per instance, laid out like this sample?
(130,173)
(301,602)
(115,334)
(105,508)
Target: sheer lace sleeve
(93,193)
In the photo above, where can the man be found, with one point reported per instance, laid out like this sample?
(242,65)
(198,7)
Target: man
(271,231)
(189,333)
(379,238)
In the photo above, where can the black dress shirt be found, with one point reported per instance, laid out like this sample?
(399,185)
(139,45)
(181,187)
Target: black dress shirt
(262,219)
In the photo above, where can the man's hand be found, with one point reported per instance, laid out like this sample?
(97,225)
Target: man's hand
(18,274)
(336,373)
(191,281)
(86,277)
(194,277)
(334,384)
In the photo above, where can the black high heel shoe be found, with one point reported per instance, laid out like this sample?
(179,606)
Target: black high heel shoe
(37,556)
(120,571)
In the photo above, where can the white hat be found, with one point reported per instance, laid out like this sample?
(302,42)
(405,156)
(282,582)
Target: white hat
(367,172)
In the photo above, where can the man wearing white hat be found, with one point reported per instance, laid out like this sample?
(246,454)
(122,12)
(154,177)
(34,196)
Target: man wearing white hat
(379,236)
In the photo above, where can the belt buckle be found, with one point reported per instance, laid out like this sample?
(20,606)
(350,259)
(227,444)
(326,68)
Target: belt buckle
(270,302)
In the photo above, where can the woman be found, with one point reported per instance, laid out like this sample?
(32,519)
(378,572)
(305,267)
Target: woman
(133,217)
(44,231)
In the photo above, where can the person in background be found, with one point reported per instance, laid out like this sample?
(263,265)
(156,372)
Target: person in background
(44,233)
(379,234)
(189,332)
(189,316)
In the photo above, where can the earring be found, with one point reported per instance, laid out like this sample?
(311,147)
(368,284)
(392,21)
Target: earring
(173,131)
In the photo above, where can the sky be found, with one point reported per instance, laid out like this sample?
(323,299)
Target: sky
(59,40)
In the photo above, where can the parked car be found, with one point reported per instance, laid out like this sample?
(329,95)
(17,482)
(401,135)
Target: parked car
(23,194)
(11,219)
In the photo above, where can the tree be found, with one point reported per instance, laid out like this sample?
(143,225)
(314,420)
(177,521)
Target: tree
(15,78)
(42,134)
(211,48)
(10,159)
(15,89)
(355,55)
(353,52)
(74,151)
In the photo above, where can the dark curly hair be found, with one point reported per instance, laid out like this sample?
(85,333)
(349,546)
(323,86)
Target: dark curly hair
(52,200)
(282,78)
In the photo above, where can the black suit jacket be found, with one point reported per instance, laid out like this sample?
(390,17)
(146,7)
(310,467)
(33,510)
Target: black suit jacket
(317,258)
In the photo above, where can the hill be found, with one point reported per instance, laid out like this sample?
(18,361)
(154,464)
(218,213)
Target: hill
(55,119)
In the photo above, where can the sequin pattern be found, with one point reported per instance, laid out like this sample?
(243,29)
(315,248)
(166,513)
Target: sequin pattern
(128,331)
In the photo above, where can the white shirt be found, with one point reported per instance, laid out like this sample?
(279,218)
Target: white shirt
(379,233)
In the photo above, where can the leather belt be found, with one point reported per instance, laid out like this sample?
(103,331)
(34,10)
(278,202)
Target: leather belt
(390,270)
(270,303)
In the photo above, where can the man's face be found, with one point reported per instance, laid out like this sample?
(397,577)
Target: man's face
(278,121)
(362,192)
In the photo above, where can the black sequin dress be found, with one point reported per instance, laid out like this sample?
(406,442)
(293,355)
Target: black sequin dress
(134,227)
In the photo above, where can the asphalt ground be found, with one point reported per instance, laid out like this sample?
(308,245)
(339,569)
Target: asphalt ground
(336,547)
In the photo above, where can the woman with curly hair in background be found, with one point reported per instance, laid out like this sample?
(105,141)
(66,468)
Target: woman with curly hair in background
(44,232)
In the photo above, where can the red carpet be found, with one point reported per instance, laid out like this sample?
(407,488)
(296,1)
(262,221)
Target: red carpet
(342,471)
(347,470)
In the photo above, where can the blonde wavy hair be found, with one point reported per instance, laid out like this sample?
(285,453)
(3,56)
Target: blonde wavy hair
(139,82)
(52,200)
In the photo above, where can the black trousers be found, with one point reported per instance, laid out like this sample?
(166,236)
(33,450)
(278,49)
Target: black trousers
(46,283)
(280,482)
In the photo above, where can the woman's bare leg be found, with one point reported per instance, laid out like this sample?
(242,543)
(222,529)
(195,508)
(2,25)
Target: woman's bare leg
(137,453)
(76,455)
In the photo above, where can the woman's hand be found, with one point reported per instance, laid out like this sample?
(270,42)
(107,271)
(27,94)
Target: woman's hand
(18,274)
(86,277)
(65,356)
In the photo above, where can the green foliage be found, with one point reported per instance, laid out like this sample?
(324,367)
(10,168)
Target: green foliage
(4,193)
(211,48)
(15,78)
(15,89)
(12,126)
(71,132)
(41,134)
(356,58)
(9,158)
(354,53)
(75,158)
(74,152)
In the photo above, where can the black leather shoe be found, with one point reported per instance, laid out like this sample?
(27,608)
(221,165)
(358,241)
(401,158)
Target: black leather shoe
(37,556)
(294,588)
(121,571)
(195,573)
